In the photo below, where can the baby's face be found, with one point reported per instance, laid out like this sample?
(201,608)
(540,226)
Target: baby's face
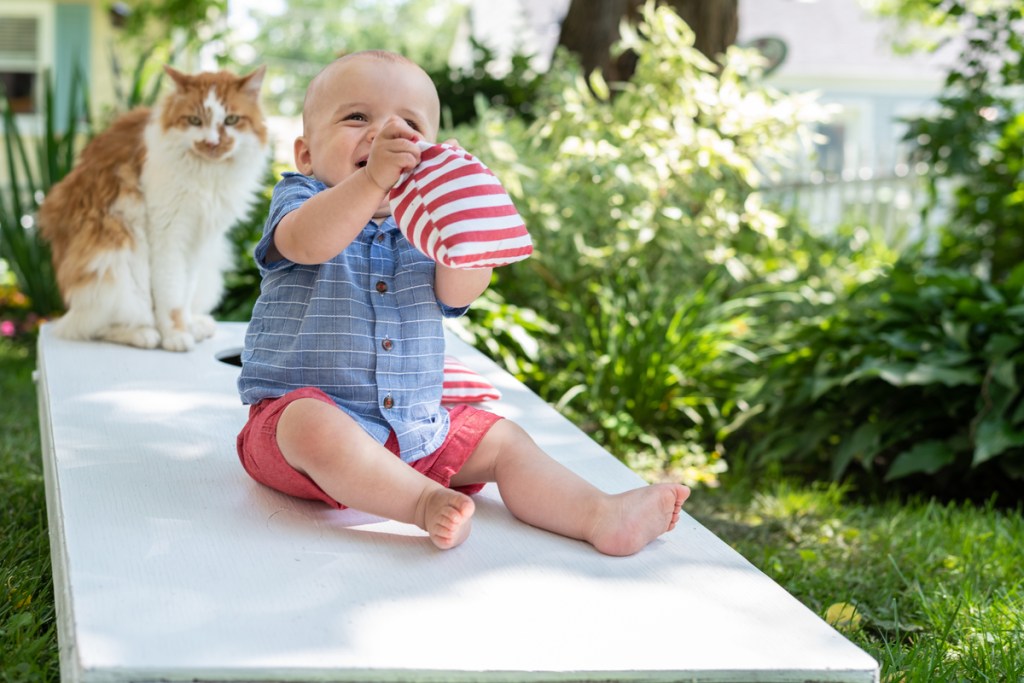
(352,100)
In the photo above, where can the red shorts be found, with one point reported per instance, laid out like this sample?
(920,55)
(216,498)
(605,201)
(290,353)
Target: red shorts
(262,459)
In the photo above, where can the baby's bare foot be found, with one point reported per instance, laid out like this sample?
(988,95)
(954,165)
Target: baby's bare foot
(633,519)
(447,517)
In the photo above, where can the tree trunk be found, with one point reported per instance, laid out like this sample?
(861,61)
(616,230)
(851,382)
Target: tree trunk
(592,26)
(715,23)
(589,30)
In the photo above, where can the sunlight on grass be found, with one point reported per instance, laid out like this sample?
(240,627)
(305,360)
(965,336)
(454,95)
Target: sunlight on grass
(28,639)
(934,591)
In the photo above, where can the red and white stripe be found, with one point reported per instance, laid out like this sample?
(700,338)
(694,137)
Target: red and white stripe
(453,209)
(462,385)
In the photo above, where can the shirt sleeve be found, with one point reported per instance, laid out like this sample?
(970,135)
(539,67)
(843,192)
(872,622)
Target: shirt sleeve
(289,194)
(451,312)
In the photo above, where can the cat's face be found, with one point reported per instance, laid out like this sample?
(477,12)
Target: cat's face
(213,115)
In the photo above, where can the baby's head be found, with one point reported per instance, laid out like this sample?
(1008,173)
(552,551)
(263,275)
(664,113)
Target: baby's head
(385,71)
(349,101)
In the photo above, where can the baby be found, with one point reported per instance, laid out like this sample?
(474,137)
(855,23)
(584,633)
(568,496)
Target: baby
(343,360)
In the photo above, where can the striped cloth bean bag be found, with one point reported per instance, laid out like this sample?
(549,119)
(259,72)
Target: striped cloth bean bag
(462,385)
(453,209)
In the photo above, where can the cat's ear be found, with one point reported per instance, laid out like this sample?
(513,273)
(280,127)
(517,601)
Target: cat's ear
(178,77)
(252,82)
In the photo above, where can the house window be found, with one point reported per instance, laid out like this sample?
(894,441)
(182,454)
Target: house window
(25,40)
(831,149)
(19,61)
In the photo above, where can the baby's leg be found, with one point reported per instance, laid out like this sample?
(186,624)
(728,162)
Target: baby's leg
(541,491)
(350,466)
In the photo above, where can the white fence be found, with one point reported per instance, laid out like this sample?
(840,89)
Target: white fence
(891,203)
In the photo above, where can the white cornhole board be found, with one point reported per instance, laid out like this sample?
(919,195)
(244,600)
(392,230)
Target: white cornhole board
(170,564)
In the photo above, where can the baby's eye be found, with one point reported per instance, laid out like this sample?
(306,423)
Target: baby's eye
(230,119)
(195,121)
(355,116)
(415,126)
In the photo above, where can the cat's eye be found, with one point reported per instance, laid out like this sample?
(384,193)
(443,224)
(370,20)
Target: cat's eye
(231,119)
(195,121)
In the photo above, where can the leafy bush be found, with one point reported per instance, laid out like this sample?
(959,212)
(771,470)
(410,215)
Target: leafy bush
(460,88)
(916,372)
(34,164)
(974,145)
(646,225)
(242,283)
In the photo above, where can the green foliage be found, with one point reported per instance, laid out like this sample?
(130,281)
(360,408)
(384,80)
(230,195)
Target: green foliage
(936,587)
(34,164)
(646,223)
(28,634)
(460,88)
(242,283)
(154,33)
(975,144)
(915,372)
(186,15)
(296,43)
(908,373)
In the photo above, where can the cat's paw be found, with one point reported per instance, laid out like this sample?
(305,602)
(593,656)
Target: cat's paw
(203,327)
(140,336)
(178,341)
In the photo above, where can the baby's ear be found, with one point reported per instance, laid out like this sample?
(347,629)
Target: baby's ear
(303,157)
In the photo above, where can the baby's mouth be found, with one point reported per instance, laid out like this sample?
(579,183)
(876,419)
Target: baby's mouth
(361,163)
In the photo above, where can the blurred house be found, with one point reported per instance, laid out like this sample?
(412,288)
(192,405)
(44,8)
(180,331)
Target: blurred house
(859,171)
(836,48)
(40,38)
(832,47)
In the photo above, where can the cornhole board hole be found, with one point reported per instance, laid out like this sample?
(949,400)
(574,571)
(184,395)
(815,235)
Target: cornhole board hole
(170,564)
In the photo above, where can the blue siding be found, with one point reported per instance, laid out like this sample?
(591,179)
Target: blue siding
(73,26)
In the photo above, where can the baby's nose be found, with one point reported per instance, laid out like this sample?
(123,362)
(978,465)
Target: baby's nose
(374,129)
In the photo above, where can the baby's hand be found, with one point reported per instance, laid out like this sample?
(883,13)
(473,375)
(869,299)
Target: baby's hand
(392,153)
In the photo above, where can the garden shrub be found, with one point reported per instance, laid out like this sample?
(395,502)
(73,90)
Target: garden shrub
(916,372)
(641,200)
(459,88)
(974,143)
(34,165)
(908,375)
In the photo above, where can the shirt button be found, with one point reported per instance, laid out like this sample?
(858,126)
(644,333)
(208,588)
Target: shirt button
(380,237)
(382,286)
(389,402)
(387,344)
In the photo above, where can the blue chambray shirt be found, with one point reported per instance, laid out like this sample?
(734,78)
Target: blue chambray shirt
(365,328)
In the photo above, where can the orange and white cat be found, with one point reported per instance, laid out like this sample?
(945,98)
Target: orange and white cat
(138,230)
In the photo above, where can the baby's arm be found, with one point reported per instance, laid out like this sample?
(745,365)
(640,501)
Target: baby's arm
(458,287)
(325,225)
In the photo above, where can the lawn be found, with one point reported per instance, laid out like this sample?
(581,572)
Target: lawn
(28,636)
(934,591)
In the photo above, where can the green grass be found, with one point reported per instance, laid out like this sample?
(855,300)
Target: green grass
(937,588)
(28,638)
